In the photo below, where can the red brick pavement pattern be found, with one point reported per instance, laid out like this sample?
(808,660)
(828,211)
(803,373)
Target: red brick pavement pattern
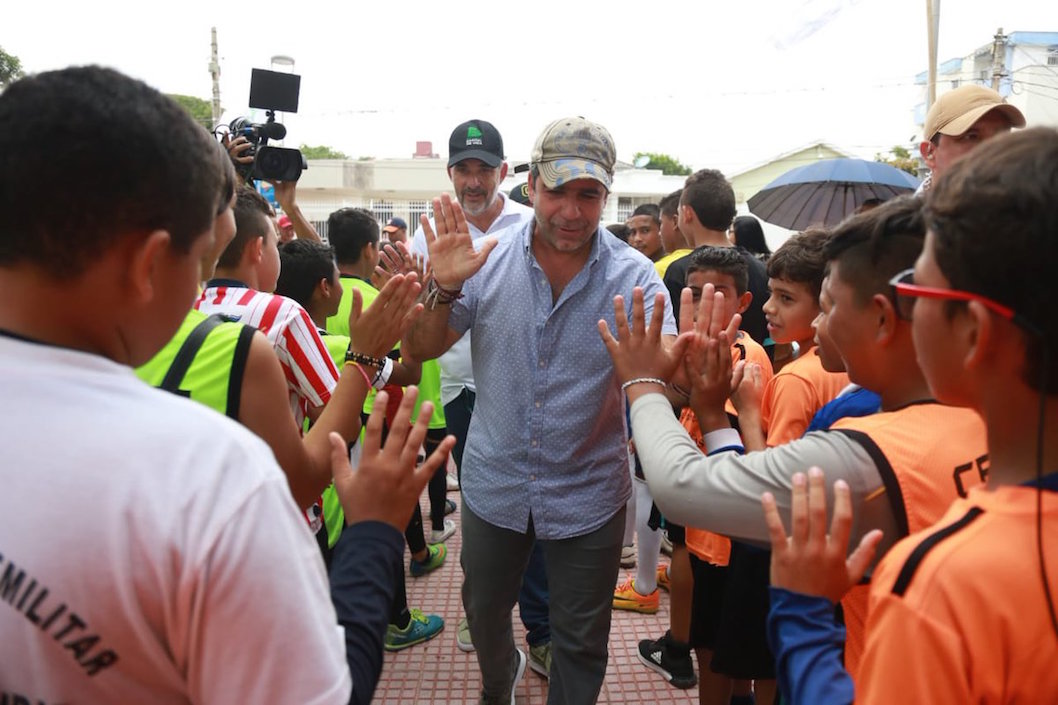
(438,673)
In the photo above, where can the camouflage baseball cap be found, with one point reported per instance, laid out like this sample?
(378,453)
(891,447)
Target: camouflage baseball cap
(574,148)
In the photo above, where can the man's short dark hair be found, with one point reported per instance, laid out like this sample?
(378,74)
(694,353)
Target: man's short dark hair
(89,156)
(670,204)
(648,209)
(304,264)
(877,244)
(620,231)
(253,219)
(349,230)
(801,260)
(724,260)
(994,219)
(711,198)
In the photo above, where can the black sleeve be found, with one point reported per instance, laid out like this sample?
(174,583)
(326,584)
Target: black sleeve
(366,566)
(675,279)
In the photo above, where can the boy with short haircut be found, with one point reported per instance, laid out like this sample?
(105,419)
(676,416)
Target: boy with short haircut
(726,270)
(964,610)
(178,536)
(802,387)
(710,553)
(242,287)
(644,231)
(671,236)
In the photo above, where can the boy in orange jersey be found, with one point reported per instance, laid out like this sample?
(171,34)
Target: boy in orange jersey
(802,387)
(903,465)
(963,611)
(725,270)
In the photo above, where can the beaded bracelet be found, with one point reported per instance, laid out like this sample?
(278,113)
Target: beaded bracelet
(361,358)
(642,380)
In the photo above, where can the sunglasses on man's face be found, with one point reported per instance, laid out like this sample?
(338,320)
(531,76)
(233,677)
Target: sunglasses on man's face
(905,291)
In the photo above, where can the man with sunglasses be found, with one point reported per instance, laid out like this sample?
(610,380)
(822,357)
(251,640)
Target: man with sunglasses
(963,611)
(904,465)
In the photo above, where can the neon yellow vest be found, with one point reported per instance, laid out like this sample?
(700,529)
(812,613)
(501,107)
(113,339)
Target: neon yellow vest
(214,377)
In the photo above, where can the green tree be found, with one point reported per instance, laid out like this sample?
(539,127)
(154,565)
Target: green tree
(670,166)
(199,109)
(10,69)
(901,158)
(322,152)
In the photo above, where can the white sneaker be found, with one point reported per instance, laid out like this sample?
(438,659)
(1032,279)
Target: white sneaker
(463,640)
(628,556)
(439,535)
(452,483)
(519,671)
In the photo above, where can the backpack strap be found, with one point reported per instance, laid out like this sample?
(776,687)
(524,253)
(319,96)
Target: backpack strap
(186,355)
(238,371)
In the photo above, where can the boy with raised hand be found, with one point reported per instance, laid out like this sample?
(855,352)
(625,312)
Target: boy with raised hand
(178,536)
(903,465)
(692,625)
(963,611)
(801,387)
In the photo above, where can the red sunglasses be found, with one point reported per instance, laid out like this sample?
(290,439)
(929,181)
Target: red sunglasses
(905,291)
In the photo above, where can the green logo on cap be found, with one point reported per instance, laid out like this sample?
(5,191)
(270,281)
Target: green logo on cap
(473,132)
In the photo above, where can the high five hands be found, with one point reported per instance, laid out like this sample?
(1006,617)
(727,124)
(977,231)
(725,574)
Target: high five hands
(452,254)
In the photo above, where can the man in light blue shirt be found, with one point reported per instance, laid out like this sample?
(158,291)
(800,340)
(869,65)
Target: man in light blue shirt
(546,453)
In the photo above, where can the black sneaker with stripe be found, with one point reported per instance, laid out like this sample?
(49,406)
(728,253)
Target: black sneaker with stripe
(672,662)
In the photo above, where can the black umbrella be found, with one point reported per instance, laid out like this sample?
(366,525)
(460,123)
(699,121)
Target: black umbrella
(824,192)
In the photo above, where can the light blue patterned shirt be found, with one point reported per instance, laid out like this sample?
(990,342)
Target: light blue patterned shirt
(548,435)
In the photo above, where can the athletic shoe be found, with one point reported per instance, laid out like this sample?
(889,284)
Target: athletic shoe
(519,671)
(463,640)
(666,545)
(658,656)
(625,597)
(435,556)
(663,578)
(450,507)
(440,535)
(451,482)
(628,556)
(422,627)
(540,659)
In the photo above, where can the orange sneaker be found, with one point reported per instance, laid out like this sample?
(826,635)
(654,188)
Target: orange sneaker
(625,597)
(663,578)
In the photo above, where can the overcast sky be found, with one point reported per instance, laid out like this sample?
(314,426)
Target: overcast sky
(722,85)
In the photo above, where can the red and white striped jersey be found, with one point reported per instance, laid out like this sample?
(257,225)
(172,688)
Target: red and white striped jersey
(310,372)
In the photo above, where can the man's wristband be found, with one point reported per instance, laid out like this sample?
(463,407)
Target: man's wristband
(437,295)
(642,380)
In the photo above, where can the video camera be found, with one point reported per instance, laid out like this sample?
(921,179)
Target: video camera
(271,91)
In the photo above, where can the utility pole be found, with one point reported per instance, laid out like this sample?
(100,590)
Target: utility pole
(214,71)
(999,45)
(932,29)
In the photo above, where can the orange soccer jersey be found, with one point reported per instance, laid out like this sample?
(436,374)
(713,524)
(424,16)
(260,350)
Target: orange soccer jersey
(928,455)
(957,611)
(795,394)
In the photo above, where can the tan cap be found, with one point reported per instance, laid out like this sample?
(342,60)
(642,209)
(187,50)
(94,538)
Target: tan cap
(957,110)
(574,148)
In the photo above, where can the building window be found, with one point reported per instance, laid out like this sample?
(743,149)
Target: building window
(415,209)
(382,210)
